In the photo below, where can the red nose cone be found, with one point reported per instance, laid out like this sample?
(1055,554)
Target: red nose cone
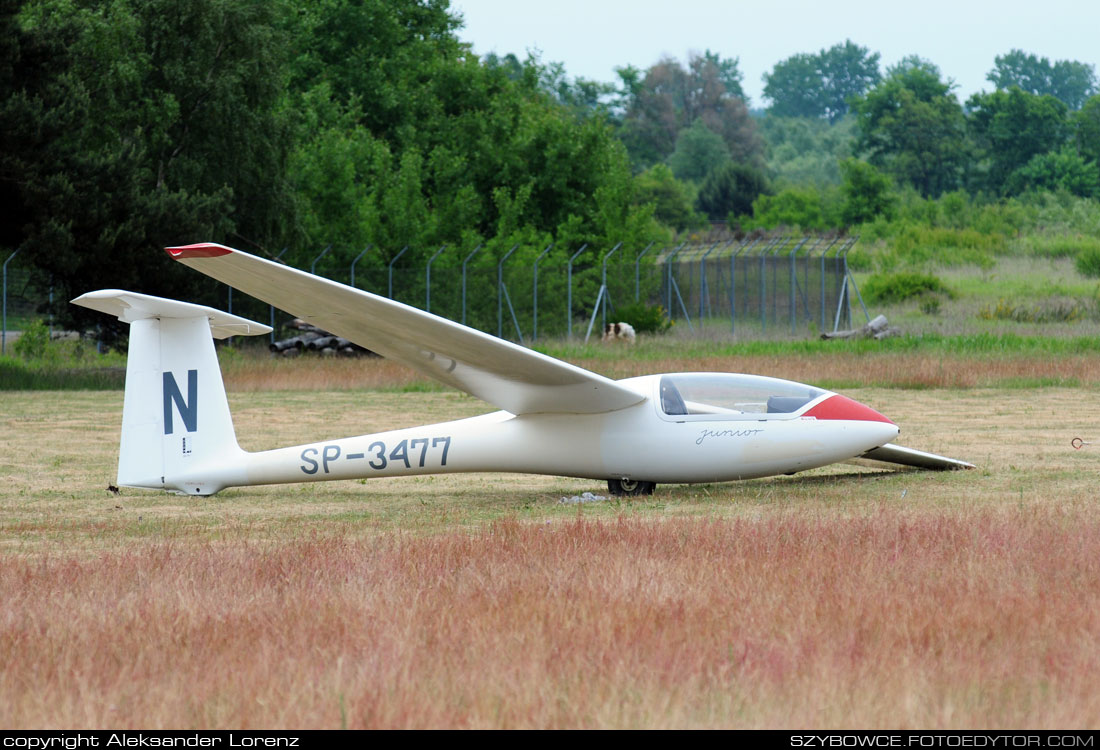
(839,407)
(201,250)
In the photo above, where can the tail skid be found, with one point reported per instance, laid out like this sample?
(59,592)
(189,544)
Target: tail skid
(177,432)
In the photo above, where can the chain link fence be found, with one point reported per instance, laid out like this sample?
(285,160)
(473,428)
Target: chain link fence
(751,287)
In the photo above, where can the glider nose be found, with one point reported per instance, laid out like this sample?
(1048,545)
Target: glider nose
(841,407)
(874,427)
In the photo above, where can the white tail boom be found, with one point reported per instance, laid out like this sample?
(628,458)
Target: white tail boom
(176,425)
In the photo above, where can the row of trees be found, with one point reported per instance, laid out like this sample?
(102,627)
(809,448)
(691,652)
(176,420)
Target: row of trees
(702,154)
(268,124)
(1038,130)
(129,125)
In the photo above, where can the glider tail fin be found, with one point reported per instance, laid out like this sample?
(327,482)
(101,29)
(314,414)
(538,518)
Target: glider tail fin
(177,433)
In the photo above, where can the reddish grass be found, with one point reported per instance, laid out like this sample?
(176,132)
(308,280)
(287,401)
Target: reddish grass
(898,618)
(894,369)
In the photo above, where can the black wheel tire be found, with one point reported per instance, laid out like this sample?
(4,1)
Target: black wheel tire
(630,487)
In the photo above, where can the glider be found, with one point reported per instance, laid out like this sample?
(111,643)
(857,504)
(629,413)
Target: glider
(555,418)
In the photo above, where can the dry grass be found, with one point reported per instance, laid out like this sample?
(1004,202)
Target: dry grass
(899,369)
(831,599)
(894,369)
(260,373)
(896,619)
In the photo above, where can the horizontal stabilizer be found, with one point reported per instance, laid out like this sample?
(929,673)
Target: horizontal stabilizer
(131,306)
(895,454)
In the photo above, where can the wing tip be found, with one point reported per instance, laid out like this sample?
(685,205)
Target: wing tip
(199,250)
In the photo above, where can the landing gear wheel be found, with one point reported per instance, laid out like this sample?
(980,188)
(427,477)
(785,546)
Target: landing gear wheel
(630,487)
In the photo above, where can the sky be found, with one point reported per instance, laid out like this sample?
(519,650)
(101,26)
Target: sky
(962,37)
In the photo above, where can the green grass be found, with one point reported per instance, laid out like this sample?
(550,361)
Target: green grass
(932,343)
(107,373)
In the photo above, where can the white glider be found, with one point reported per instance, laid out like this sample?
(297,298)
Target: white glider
(556,418)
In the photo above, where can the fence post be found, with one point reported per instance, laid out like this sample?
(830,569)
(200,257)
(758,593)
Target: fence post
(313,265)
(500,291)
(271,310)
(825,253)
(764,283)
(703,291)
(637,271)
(668,276)
(428,280)
(603,286)
(733,283)
(794,278)
(389,287)
(4,325)
(569,288)
(464,262)
(535,299)
(848,277)
(357,257)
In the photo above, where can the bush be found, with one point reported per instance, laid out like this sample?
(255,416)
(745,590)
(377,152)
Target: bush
(1061,310)
(1088,262)
(730,190)
(867,192)
(645,318)
(1060,246)
(805,208)
(898,287)
(34,342)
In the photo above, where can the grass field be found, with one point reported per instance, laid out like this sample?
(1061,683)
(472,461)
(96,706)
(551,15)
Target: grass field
(842,597)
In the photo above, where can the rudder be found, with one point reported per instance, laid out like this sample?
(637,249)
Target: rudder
(177,433)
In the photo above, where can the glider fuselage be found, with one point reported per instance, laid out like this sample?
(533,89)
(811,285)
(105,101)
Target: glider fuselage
(639,442)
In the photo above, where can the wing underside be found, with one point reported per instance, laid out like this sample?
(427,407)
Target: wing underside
(511,377)
(896,454)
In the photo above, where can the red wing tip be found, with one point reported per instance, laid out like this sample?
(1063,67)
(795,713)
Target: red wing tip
(200,250)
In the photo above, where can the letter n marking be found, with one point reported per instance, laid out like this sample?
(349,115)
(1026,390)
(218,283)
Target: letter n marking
(189,409)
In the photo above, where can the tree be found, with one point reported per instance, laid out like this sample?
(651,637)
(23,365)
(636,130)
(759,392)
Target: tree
(913,128)
(137,125)
(474,149)
(805,208)
(699,150)
(867,193)
(672,97)
(730,191)
(729,73)
(1012,127)
(1063,169)
(822,84)
(671,199)
(805,150)
(1086,129)
(1067,80)
(795,88)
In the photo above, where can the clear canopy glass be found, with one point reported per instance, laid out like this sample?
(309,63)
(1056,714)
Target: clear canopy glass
(724,394)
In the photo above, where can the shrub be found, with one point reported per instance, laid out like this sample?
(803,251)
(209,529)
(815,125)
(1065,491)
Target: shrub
(1060,310)
(867,192)
(898,287)
(645,318)
(1088,262)
(34,341)
(1061,245)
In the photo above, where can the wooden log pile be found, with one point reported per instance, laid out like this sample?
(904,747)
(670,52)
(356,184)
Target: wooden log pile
(312,339)
(878,328)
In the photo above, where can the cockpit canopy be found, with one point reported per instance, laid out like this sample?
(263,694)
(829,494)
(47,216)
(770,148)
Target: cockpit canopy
(728,395)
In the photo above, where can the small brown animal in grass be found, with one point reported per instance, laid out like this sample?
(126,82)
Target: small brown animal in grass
(623,332)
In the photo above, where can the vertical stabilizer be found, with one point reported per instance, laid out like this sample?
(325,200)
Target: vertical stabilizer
(177,433)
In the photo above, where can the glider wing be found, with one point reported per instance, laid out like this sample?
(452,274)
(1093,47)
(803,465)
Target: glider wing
(511,377)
